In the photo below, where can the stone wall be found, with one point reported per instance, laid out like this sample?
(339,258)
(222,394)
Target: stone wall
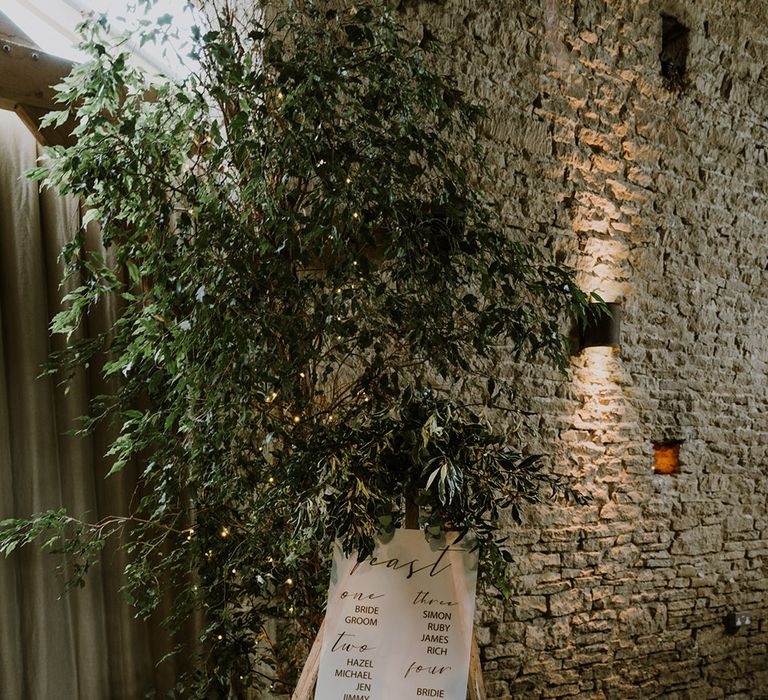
(659,197)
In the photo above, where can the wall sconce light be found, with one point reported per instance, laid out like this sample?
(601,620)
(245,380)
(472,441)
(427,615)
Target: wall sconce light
(602,329)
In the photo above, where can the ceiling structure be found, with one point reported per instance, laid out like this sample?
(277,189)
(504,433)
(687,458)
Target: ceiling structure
(26,76)
(37,50)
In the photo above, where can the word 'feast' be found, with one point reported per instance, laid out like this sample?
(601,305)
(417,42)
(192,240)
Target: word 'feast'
(411,569)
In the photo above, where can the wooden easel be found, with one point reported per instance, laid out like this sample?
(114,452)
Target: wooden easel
(308,678)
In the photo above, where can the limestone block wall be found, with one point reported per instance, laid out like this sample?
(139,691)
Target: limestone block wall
(659,198)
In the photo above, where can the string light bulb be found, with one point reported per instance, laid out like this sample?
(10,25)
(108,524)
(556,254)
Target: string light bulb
(289,582)
(225,532)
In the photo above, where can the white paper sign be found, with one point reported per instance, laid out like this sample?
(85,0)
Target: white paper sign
(399,624)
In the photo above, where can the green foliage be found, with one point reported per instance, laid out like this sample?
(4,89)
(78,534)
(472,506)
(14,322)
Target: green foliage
(315,298)
(60,534)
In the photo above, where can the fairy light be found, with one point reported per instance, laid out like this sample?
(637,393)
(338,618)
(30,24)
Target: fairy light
(209,553)
(289,582)
(225,532)
(302,375)
(271,480)
(348,181)
(296,419)
(234,571)
(219,637)
(355,215)
(354,262)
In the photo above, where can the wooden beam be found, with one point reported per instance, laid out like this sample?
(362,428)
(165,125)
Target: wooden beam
(27,75)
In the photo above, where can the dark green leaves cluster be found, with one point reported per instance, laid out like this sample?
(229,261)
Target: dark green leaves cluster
(314,296)
(59,533)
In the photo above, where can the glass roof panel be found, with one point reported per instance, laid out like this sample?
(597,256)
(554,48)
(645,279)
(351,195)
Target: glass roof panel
(52,25)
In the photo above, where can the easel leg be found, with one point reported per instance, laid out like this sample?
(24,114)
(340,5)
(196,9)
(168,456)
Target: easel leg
(475,684)
(308,677)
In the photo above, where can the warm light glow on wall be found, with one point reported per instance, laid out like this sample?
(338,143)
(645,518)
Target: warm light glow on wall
(599,367)
(595,380)
(595,439)
(601,270)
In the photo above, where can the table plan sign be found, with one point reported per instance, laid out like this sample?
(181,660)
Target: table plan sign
(399,624)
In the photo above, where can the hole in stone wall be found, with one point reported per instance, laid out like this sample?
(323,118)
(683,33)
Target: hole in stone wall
(674,52)
(666,457)
(427,39)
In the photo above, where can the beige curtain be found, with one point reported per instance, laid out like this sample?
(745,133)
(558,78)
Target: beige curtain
(86,645)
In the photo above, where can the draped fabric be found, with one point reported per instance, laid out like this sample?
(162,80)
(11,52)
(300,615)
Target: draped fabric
(86,645)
